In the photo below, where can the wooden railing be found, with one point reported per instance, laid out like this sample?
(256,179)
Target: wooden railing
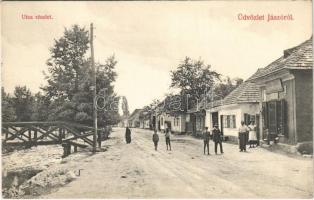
(45,133)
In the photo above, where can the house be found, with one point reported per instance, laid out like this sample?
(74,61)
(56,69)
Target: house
(242,104)
(195,120)
(145,119)
(133,120)
(167,115)
(286,97)
(178,123)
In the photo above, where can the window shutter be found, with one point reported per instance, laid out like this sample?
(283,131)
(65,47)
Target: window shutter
(284,117)
(264,114)
(234,121)
(246,118)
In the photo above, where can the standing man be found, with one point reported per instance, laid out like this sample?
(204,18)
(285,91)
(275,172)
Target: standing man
(155,139)
(217,138)
(206,135)
(167,135)
(128,135)
(243,130)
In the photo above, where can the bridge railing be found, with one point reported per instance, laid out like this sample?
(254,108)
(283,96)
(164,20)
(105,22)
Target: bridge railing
(45,133)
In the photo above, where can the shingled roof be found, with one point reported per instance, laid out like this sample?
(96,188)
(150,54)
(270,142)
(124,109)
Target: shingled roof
(247,92)
(299,57)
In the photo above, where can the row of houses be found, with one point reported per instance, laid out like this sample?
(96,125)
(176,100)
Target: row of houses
(278,98)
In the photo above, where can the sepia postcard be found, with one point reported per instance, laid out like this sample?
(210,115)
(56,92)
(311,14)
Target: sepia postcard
(157,99)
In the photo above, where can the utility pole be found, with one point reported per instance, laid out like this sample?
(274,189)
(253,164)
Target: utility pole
(94,88)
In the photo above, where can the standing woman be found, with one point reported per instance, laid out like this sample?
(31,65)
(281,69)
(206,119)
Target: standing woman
(252,134)
(167,135)
(128,135)
(242,136)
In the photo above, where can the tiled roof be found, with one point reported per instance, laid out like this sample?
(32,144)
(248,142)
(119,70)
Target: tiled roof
(299,57)
(247,92)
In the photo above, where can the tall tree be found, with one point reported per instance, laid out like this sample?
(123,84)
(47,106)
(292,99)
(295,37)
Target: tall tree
(66,62)
(194,78)
(70,81)
(125,107)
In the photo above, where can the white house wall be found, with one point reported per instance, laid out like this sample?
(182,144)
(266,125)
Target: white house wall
(236,109)
(238,115)
(147,123)
(180,128)
(165,117)
(208,120)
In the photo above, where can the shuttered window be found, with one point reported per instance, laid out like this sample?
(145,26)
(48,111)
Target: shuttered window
(229,121)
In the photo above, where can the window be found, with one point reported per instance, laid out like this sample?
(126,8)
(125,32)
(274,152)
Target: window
(229,121)
(176,121)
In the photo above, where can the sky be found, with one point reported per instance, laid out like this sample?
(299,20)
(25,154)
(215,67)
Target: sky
(149,39)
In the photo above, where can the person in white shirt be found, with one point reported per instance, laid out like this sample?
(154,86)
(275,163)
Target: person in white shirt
(243,130)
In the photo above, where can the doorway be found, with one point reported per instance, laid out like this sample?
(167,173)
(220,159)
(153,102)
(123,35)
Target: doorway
(215,118)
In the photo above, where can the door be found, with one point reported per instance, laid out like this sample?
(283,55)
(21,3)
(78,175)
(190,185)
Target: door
(272,118)
(214,118)
(193,123)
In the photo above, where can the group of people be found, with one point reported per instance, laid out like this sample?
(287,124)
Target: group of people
(217,137)
(155,138)
(167,136)
(247,134)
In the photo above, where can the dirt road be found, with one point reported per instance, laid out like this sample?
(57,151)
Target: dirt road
(136,170)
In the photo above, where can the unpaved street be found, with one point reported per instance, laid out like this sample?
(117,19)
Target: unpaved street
(136,170)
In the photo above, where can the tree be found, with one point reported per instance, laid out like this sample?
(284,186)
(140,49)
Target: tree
(194,78)
(66,62)
(223,88)
(125,107)
(40,108)
(69,81)
(22,102)
(8,112)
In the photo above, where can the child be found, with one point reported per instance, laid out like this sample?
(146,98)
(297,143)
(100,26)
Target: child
(155,139)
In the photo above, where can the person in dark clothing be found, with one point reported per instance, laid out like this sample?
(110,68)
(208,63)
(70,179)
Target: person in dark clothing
(167,135)
(128,135)
(206,136)
(155,139)
(217,138)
